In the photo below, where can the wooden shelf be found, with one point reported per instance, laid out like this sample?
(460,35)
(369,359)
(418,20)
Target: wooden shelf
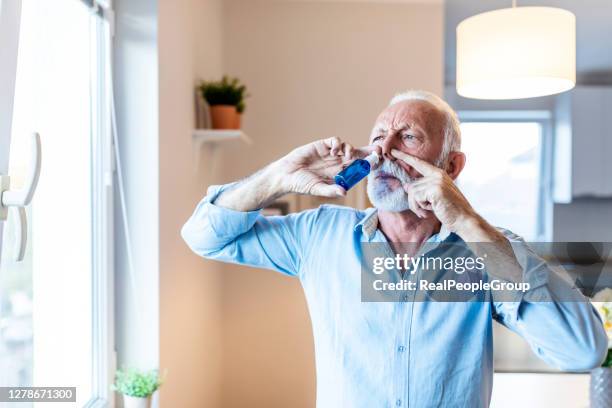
(205,136)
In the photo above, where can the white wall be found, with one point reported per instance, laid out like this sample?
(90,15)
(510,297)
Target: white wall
(540,391)
(136,94)
(583,220)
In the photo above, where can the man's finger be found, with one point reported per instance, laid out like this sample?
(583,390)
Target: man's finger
(366,150)
(419,165)
(334,144)
(424,204)
(349,151)
(328,190)
(415,207)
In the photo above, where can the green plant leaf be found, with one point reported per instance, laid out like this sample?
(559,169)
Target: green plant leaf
(227,91)
(608,361)
(136,383)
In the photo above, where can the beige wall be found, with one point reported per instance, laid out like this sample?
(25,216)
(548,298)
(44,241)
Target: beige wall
(315,69)
(229,336)
(190,331)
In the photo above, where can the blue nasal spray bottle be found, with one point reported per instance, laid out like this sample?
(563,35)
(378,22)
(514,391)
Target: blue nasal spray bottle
(356,171)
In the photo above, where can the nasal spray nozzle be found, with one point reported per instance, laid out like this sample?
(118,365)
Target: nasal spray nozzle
(356,171)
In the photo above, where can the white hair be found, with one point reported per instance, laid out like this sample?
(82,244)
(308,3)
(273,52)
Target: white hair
(382,195)
(452,131)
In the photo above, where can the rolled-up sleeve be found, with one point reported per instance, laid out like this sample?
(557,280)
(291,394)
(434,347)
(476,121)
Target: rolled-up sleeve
(559,323)
(247,238)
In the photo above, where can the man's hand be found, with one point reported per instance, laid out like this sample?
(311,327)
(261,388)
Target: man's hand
(436,192)
(310,169)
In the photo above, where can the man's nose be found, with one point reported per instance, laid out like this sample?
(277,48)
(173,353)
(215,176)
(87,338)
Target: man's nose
(389,143)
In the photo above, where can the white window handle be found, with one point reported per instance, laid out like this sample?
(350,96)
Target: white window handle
(17,200)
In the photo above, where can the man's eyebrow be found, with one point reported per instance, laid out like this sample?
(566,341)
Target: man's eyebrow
(377,131)
(408,126)
(413,126)
(383,128)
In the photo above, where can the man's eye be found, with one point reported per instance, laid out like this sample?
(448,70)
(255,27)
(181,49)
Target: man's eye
(408,136)
(378,138)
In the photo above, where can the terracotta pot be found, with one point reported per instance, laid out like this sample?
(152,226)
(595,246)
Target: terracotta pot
(136,402)
(224,117)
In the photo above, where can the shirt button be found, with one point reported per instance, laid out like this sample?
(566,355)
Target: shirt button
(401,349)
(398,402)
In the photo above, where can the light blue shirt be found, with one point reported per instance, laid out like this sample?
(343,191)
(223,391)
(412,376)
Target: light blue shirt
(394,354)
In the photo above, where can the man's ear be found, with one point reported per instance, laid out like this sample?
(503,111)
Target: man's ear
(455,164)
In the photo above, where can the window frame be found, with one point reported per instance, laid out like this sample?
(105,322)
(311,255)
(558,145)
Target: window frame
(102,289)
(10,22)
(544,119)
(103,348)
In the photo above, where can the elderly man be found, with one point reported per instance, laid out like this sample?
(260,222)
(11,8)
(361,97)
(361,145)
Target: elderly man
(407,353)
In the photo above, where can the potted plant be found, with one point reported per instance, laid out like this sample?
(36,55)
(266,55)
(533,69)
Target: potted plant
(136,386)
(226,100)
(601,377)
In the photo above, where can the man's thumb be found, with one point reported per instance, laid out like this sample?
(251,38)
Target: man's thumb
(328,190)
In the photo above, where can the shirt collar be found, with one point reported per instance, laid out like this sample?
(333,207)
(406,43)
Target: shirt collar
(369,225)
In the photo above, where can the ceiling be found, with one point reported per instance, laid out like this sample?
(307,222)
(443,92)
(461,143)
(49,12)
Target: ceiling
(593,33)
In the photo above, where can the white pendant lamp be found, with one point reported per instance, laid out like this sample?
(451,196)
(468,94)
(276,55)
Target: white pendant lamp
(518,52)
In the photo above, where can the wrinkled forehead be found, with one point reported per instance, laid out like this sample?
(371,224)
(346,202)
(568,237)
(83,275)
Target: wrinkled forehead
(412,114)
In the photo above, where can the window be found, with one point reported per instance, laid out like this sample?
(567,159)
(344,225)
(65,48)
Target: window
(506,179)
(55,307)
(508,160)
(15,300)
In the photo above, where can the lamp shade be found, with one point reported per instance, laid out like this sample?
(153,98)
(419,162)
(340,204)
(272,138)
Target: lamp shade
(514,53)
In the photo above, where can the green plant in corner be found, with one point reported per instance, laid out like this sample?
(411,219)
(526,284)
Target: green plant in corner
(135,383)
(228,91)
(603,303)
(608,361)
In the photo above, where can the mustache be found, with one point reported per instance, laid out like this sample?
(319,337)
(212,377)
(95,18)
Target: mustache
(392,169)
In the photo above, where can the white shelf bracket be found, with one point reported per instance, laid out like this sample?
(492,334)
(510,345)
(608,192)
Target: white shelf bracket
(15,201)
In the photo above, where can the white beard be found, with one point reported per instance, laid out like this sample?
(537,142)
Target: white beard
(383,196)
